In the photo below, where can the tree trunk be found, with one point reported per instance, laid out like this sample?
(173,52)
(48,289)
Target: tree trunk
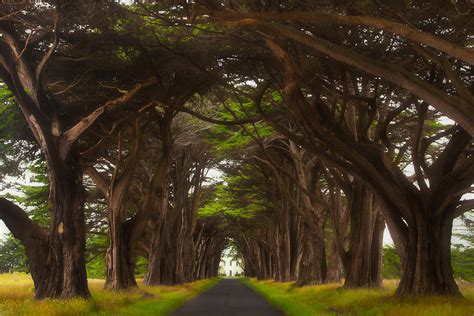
(59,271)
(427,266)
(64,274)
(313,268)
(33,237)
(57,258)
(364,260)
(119,260)
(161,253)
(157,193)
(334,263)
(164,267)
(152,276)
(171,259)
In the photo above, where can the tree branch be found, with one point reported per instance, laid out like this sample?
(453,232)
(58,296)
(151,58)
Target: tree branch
(400,29)
(454,106)
(49,53)
(463,207)
(21,226)
(100,181)
(215,121)
(70,136)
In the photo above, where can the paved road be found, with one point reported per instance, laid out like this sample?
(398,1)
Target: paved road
(228,298)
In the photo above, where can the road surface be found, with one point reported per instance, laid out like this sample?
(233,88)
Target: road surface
(228,298)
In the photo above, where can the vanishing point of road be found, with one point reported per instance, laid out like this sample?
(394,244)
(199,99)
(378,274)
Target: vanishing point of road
(228,298)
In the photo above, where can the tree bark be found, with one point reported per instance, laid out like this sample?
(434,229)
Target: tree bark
(57,259)
(457,107)
(61,272)
(119,260)
(427,266)
(66,273)
(421,213)
(334,264)
(313,268)
(364,259)
(33,237)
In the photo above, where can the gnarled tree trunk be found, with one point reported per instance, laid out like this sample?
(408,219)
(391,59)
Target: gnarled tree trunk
(59,270)
(119,260)
(57,258)
(334,263)
(64,270)
(427,265)
(313,268)
(363,261)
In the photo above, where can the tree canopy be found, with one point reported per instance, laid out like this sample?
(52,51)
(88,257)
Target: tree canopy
(325,122)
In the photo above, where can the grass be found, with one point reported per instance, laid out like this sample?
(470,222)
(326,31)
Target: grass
(331,299)
(16,298)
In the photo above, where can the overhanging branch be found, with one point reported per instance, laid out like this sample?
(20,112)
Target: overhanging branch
(399,29)
(70,136)
(18,222)
(219,122)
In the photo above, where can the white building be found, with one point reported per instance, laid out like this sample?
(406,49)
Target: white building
(230,266)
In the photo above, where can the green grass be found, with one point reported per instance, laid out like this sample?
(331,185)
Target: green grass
(331,299)
(16,298)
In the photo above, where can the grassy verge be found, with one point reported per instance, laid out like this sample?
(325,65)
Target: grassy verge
(331,299)
(16,298)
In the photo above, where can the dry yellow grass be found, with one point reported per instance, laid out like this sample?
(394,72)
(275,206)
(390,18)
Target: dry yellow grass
(331,299)
(16,298)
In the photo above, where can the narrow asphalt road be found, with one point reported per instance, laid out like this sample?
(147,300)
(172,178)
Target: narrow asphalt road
(228,298)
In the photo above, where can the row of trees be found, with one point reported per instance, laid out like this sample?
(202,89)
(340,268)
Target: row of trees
(345,103)
(359,91)
(264,197)
(97,104)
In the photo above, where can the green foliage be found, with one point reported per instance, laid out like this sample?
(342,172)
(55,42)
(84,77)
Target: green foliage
(14,136)
(235,197)
(96,246)
(127,54)
(12,256)
(141,265)
(466,235)
(228,138)
(391,265)
(462,260)
(9,112)
(462,254)
(34,197)
(96,267)
(240,138)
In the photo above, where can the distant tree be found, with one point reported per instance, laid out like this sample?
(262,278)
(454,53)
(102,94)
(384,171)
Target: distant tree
(463,263)
(463,253)
(12,256)
(391,265)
